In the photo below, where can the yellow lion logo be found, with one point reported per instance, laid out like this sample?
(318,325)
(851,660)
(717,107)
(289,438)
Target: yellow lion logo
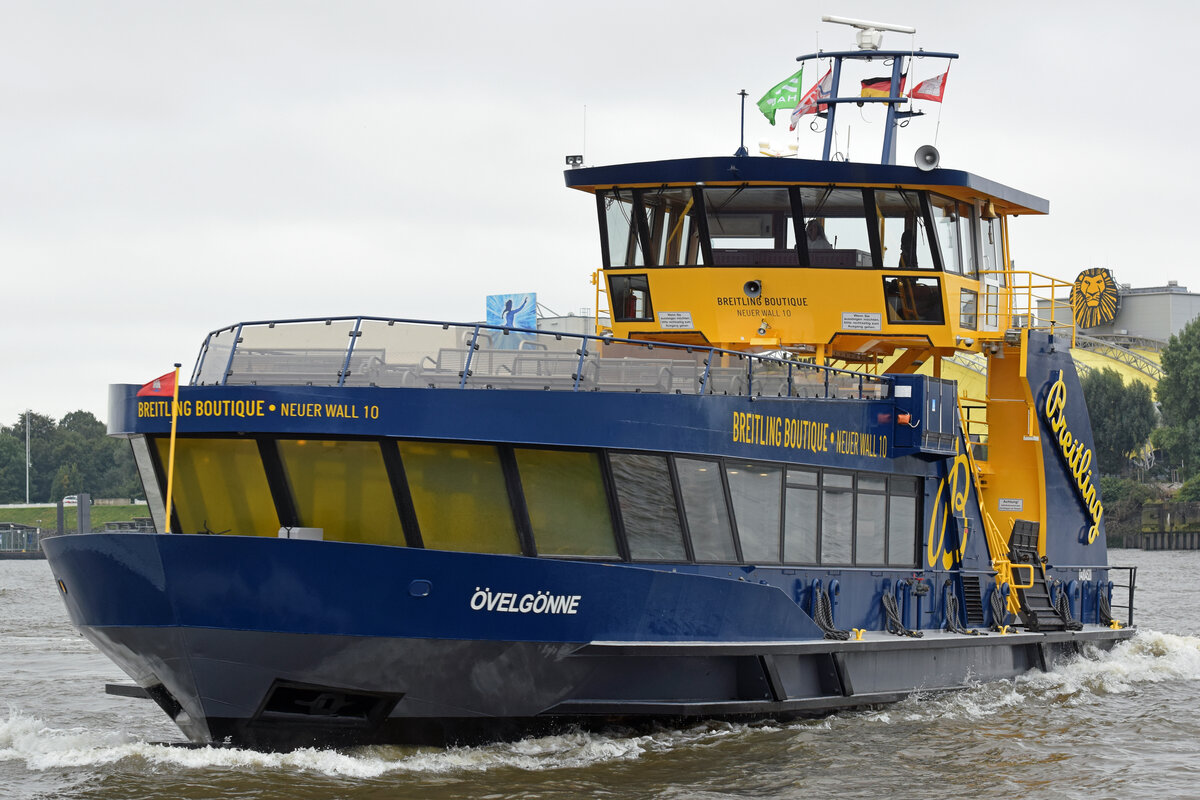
(1094,298)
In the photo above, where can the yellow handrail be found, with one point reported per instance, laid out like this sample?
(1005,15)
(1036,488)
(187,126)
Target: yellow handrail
(997,546)
(1024,289)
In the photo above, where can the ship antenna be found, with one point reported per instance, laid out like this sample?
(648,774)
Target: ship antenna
(742,151)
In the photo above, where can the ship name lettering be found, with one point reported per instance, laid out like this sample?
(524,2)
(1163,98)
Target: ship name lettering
(1076,454)
(509,602)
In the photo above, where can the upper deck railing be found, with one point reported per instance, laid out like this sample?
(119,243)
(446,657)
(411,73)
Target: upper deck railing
(383,352)
(1036,301)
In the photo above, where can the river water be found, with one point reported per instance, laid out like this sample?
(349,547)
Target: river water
(1119,725)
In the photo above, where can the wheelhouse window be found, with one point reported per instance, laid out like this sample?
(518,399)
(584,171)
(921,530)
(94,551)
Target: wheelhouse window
(782,226)
(751,225)
(651,227)
(460,497)
(835,230)
(630,298)
(949,219)
(968,308)
(913,299)
(903,232)
(991,242)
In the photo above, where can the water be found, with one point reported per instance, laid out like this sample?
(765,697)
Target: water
(1119,725)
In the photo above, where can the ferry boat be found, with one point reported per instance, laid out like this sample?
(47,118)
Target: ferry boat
(752,492)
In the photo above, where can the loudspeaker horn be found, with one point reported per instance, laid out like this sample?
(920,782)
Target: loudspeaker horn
(927,157)
(752,288)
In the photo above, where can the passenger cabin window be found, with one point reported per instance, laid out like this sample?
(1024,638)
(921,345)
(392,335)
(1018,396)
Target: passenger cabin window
(478,498)
(801,523)
(220,487)
(755,488)
(647,502)
(705,510)
(567,503)
(342,487)
(460,497)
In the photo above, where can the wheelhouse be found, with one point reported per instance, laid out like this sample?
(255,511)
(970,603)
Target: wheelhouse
(854,265)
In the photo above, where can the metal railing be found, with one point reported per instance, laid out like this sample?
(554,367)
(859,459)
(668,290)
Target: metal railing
(383,352)
(1035,301)
(1127,606)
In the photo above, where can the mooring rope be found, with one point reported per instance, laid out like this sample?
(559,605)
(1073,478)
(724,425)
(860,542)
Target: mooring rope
(954,622)
(894,624)
(1063,607)
(1106,617)
(823,615)
(999,610)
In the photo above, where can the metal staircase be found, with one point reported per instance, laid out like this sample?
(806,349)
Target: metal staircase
(1037,612)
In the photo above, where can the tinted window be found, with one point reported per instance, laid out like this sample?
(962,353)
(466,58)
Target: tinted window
(837,518)
(460,497)
(343,488)
(567,504)
(705,509)
(647,505)
(755,489)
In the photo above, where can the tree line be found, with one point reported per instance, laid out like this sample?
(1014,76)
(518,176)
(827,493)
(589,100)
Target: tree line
(68,456)
(1142,446)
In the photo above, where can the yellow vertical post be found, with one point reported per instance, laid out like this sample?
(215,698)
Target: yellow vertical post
(171,450)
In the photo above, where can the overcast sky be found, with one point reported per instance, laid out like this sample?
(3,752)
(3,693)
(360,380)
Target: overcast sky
(167,168)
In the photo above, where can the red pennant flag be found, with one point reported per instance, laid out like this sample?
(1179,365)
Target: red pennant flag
(163,386)
(931,89)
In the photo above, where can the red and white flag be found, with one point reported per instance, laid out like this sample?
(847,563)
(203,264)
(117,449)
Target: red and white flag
(811,103)
(162,386)
(930,89)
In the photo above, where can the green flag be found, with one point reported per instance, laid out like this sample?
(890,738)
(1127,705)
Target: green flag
(784,95)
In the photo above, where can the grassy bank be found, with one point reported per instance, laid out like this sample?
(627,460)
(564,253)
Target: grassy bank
(46,518)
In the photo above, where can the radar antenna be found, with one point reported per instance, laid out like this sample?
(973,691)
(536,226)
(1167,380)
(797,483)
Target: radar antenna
(870,34)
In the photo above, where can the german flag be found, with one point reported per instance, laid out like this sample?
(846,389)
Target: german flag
(881,87)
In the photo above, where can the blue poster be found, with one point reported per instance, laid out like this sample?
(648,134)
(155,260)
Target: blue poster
(512,311)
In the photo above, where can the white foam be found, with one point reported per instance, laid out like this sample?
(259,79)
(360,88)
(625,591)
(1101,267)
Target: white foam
(29,740)
(1150,657)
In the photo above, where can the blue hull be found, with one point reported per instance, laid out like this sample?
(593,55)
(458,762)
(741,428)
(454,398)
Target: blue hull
(280,643)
